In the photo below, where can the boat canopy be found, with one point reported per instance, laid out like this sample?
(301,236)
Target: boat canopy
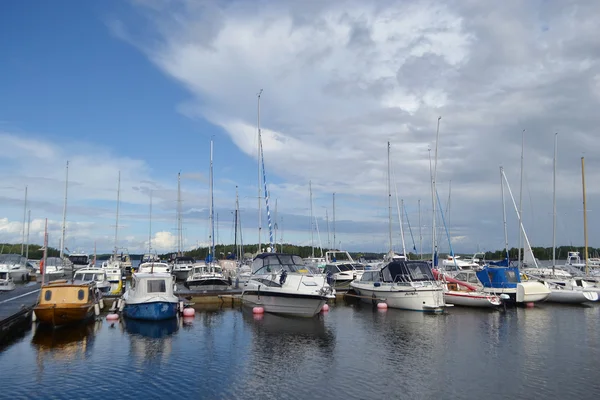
(268,263)
(407,271)
(207,269)
(499,277)
(89,276)
(79,259)
(12,259)
(184,260)
(335,268)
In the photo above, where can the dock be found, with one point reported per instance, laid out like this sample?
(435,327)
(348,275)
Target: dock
(16,307)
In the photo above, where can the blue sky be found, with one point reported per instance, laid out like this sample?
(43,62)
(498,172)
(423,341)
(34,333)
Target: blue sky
(142,86)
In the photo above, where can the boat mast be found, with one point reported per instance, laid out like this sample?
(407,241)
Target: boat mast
(312,237)
(28,229)
(504,214)
(117,219)
(45,257)
(389,200)
(521,200)
(212,210)
(334,242)
(585,237)
(554,205)
(420,233)
(259,181)
(235,224)
(150,227)
(24,221)
(433,194)
(64,222)
(275,226)
(328,237)
(179,225)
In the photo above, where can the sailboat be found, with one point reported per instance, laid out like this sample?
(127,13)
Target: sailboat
(403,284)
(208,276)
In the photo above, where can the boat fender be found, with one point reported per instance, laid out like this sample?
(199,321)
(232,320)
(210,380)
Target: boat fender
(33,316)
(121,305)
(97,309)
(283,277)
(102,304)
(382,306)
(189,312)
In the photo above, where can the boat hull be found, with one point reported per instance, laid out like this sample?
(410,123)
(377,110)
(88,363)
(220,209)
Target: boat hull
(212,284)
(151,311)
(471,299)
(566,296)
(424,299)
(181,275)
(64,314)
(292,304)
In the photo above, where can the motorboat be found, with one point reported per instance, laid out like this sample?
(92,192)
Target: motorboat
(63,303)
(282,284)
(53,269)
(151,297)
(456,263)
(15,266)
(151,267)
(182,266)
(407,285)
(339,275)
(95,275)
(334,257)
(570,295)
(507,280)
(244,272)
(79,260)
(116,279)
(574,260)
(6,282)
(207,277)
(318,262)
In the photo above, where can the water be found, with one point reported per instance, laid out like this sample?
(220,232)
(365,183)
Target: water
(352,352)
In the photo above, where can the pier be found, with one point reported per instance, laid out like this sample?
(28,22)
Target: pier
(16,307)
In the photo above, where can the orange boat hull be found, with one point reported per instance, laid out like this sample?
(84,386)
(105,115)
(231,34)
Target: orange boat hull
(64,314)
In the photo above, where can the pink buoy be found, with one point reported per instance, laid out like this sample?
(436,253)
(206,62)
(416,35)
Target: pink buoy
(258,317)
(258,310)
(189,312)
(529,305)
(382,306)
(325,308)
(112,317)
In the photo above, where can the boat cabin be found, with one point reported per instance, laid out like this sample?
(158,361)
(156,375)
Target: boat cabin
(79,259)
(61,292)
(499,277)
(184,260)
(90,275)
(12,259)
(400,272)
(207,269)
(143,284)
(468,277)
(151,267)
(271,263)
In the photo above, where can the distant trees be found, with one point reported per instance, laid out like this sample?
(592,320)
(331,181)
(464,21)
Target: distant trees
(35,251)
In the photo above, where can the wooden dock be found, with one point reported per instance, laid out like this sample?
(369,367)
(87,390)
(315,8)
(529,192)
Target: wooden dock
(16,307)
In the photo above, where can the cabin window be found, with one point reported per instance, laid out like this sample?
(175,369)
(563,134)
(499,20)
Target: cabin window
(157,286)
(48,295)
(80,294)
(511,276)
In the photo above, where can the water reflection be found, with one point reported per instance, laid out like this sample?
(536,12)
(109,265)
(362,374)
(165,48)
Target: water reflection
(151,341)
(151,329)
(65,343)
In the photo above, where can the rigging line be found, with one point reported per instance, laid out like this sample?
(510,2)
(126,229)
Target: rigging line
(410,229)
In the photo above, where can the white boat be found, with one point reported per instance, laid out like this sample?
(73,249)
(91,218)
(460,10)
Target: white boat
(182,266)
(280,285)
(53,269)
(244,272)
(96,275)
(15,266)
(207,277)
(335,257)
(116,278)
(317,262)
(466,294)
(339,275)
(151,297)
(6,282)
(152,267)
(79,260)
(562,294)
(456,263)
(407,285)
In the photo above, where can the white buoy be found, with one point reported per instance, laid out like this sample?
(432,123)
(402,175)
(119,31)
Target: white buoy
(121,305)
(112,317)
(33,316)
(101,304)
(382,306)
(97,309)
(258,310)
(325,307)
(189,312)
(181,307)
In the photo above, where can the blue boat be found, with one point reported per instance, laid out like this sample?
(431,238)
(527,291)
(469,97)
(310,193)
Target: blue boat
(151,297)
(507,280)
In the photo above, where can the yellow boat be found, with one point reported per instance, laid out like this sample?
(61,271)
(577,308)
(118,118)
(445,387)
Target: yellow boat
(63,303)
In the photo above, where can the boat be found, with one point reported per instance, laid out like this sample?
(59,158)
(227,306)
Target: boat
(150,297)
(63,303)
(146,259)
(279,287)
(182,266)
(566,295)
(465,294)
(507,281)
(151,267)
(53,269)
(339,275)
(6,282)
(455,262)
(335,257)
(96,275)
(244,272)
(79,260)
(15,266)
(207,277)
(116,279)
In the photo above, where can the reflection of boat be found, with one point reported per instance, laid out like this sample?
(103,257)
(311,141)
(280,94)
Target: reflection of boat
(152,329)
(63,303)
(281,283)
(151,297)
(65,343)
(283,325)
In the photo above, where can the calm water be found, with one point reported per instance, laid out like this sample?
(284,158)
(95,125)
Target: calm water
(352,352)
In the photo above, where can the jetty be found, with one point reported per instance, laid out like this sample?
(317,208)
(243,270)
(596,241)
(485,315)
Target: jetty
(16,307)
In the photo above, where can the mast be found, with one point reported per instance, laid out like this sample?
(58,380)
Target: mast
(328,237)
(420,233)
(64,221)
(179,225)
(554,205)
(585,237)
(433,192)
(117,220)
(24,221)
(259,181)
(212,210)
(94,253)
(235,223)
(271,240)
(521,199)
(319,236)
(312,239)
(334,242)
(275,226)
(150,227)
(389,200)
(504,214)
(28,229)
(45,257)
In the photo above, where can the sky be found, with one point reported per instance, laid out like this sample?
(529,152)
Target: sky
(141,87)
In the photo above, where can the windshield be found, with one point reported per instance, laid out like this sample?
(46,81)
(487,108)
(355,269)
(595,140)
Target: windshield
(407,271)
(54,262)
(272,263)
(90,276)
(79,260)
(345,267)
(12,259)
